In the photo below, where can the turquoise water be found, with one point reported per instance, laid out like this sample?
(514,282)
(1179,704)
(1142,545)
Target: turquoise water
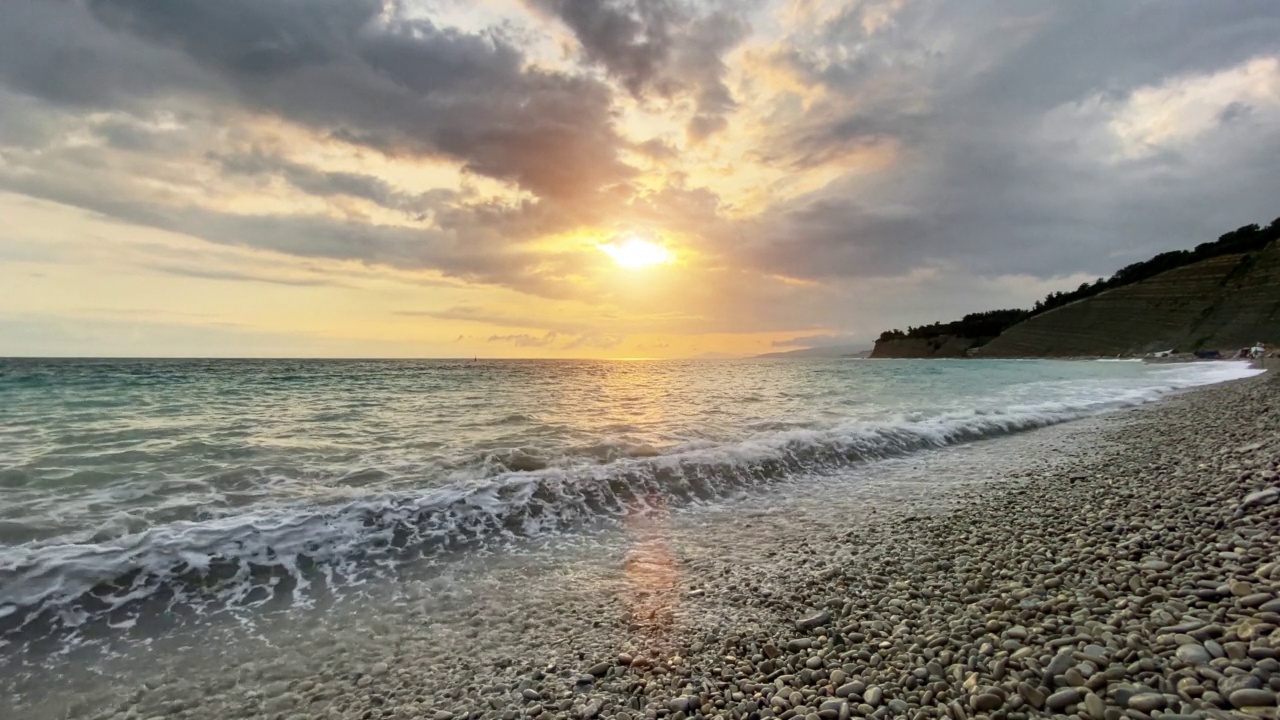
(236,482)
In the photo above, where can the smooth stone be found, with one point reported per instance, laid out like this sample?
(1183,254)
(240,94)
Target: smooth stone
(1062,698)
(987,702)
(599,669)
(853,688)
(1033,695)
(1251,697)
(1095,706)
(1147,702)
(815,621)
(1230,684)
(1193,654)
(873,696)
(1058,665)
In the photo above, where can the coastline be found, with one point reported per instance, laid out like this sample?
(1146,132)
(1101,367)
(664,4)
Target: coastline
(1093,568)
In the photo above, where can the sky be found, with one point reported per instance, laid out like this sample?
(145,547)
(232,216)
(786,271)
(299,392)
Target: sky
(455,178)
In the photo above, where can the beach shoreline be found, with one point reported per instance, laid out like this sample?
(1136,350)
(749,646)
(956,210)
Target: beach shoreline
(1119,566)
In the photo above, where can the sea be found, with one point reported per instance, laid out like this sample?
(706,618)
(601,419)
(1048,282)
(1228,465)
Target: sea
(140,498)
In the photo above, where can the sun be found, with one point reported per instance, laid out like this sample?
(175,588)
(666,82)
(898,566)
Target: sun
(634,252)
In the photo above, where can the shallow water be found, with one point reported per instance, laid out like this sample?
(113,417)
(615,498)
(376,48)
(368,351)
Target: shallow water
(159,503)
(621,587)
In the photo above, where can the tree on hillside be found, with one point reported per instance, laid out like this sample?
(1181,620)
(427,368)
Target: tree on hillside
(986,325)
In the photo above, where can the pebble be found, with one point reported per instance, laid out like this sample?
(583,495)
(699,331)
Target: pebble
(815,621)
(987,702)
(873,696)
(1147,702)
(1193,654)
(1252,697)
(1139,591)
(1063,698)
(1095,706)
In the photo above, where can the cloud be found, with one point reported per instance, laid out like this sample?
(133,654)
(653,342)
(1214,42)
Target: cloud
(813,341)
(661,48)
(595,340)
(823,169)
(239,276)
(1006,127)
(524,340)
(346,67)
(488,316)
(321,183)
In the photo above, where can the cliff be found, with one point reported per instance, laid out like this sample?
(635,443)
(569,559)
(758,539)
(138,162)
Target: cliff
(943,346)
(1222,303)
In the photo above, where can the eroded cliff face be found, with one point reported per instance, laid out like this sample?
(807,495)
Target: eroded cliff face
(944,346)
(1222,303)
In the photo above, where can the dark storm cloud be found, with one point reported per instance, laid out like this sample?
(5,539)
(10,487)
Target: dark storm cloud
(960,95)
(661,48)
(399,86)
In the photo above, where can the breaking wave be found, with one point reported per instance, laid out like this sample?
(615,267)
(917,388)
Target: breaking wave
(251,556)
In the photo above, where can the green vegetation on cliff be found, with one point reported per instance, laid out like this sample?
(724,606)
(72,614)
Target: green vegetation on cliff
(984,326)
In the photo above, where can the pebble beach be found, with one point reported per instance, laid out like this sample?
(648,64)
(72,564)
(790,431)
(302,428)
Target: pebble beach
(1126,566)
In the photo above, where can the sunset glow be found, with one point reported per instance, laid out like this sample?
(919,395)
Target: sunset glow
(633,253)
(604,179)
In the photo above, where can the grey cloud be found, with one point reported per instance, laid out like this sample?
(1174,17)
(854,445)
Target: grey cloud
(1234,112)
(239,276)
(58,51)
(703,62)
(399,86)
(633,39)
(310,236)
(657,149)
(661,48)
(961,94)
(322,183)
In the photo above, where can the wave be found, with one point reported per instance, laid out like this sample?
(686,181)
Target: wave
(249,557)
